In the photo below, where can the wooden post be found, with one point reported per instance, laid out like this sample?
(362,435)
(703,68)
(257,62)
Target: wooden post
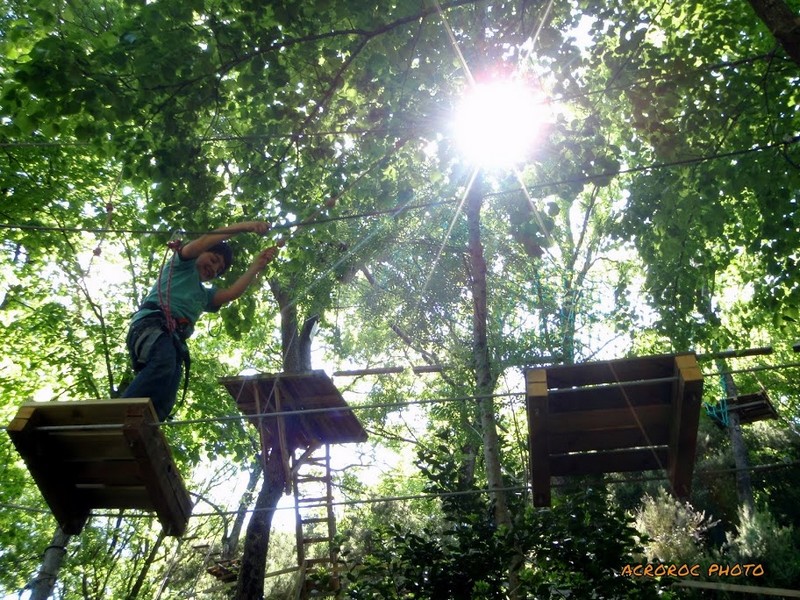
(167,494)
(687,393)
(538,417)
(284,450)
(332,552)
(298,515)
(263,438)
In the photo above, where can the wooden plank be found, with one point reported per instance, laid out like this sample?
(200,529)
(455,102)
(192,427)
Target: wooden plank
(752,407)
(136,497)
(88,445)
(633,437)
(300,392)
(611,420)
(168,496)
(606,398)
(106,472)
(68,508)
(80,464)
(628,369)
(85,412)
(688,392)
(594,463)
(538,427)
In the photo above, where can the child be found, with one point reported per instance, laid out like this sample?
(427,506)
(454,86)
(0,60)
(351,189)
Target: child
(157,336)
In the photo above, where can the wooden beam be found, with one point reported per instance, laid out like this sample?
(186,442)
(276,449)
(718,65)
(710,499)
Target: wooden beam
(373,371)
(688,392)
(611,371)
(538,426)
(632,437)
(595,463)
(284,449)
(148,446)
(645,393)
(609,420)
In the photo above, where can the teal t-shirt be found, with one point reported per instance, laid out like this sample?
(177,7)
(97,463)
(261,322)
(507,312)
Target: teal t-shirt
(182,291)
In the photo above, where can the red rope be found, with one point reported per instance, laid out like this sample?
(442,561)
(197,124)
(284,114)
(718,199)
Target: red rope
(163,299)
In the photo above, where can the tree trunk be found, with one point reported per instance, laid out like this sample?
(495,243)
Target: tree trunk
(250,585)
(45,581)
(230,543)
(296,347)
(782,23)
(744,485)
(484,379)
(137,587)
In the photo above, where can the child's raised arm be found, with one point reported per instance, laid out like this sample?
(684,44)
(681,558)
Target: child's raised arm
(196,247)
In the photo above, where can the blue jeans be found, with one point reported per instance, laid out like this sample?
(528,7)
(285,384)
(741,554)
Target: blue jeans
(159,377)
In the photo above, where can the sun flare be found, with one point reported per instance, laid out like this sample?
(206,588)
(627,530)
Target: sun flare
(497,124)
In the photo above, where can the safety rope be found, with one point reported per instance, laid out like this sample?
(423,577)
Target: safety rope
(175,245)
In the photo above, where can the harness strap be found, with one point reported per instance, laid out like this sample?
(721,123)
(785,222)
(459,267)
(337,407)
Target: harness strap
(176,329)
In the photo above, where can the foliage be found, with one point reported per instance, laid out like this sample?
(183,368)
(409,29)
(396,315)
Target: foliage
(674,531)
(579,546)
(582,545)
(760,539)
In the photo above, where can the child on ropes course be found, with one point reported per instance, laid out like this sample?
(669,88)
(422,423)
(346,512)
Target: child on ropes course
(159,329)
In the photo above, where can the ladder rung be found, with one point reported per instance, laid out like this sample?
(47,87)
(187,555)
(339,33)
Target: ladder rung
(316,540)
(318,561)
(312,478)
(314,520)
(320,499)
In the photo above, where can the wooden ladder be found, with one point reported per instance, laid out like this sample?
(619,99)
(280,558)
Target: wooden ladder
(315,522)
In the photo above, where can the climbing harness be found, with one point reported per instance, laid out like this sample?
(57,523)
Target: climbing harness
(145,331)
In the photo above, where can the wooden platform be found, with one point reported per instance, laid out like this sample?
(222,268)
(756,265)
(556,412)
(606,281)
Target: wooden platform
(634,414)
(106,454)
(750,407)
(323,416)
(226,571)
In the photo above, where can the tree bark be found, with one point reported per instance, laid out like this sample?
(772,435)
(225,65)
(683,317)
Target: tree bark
(744,484)
(232,540)
(484,381)
(296,347)
(45,581)
(782,23)
(250,585)
(137,587)
(484,378)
